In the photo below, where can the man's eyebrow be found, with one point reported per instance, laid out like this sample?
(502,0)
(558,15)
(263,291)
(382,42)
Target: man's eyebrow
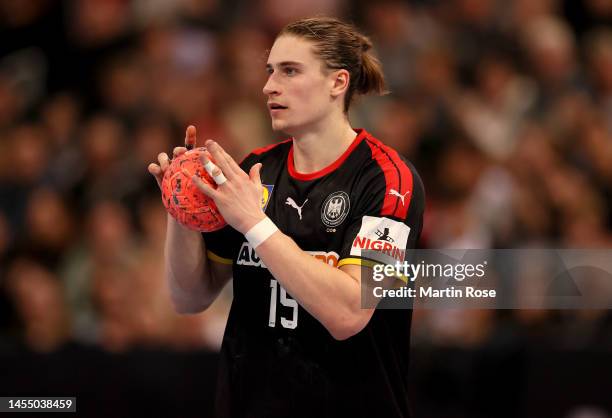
(285,64)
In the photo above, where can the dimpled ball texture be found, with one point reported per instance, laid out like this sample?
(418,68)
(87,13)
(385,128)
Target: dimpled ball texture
(182,198)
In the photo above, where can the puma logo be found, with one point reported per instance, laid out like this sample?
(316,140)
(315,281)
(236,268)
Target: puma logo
(294,205)
(394,192)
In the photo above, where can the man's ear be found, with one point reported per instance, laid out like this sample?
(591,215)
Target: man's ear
(340,82)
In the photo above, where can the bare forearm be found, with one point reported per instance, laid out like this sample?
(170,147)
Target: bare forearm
(187,269)
(327,293)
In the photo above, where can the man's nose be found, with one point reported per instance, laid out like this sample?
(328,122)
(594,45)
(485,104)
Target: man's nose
(270,88)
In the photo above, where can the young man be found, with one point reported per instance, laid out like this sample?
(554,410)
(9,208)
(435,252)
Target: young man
(297,342)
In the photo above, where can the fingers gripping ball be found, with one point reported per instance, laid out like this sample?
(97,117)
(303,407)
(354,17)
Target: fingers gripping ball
(182,198)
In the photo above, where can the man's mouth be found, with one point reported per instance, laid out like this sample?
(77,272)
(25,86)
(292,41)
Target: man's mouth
(276,106)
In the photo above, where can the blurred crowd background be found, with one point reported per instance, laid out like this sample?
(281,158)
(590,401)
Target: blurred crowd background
(504,107)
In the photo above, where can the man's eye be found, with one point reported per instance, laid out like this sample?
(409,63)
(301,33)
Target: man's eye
(269,71)
(290,71)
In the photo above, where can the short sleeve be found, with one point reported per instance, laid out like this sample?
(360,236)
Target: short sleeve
(387,218)
(222,246)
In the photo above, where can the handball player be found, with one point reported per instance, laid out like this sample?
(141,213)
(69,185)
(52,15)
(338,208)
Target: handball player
(299,213)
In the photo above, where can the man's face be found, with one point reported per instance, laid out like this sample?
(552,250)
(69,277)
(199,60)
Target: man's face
(298,87)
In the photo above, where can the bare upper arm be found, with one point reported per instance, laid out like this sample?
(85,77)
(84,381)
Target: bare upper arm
(367,295)
(221,273)
(356,272)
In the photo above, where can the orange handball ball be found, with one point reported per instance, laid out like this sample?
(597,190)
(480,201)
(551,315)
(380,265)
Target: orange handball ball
(182,198)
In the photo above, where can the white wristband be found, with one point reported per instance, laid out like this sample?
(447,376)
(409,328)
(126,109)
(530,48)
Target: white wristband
(260,232)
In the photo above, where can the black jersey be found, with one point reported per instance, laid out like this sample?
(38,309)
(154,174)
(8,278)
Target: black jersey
(276,359)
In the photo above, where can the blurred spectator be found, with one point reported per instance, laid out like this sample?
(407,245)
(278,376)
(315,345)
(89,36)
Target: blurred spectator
(61,118)
(523,12)
(95,22)
(109,240)
(24,162)
(107,161)
(400,124)
(394,26)
(599,54)
(38,298)
(493,112)
(123,85)
(49,226)
(551,50)
(464,328)
(11,102)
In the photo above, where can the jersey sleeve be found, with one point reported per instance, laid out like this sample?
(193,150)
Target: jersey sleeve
(387,218)
(223,245)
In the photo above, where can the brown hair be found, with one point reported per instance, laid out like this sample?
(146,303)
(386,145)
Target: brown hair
(341,46)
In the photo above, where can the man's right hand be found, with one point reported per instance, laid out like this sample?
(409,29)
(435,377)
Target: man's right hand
(158,170)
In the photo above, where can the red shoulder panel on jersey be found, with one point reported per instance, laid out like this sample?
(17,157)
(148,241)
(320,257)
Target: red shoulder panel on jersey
(398,179)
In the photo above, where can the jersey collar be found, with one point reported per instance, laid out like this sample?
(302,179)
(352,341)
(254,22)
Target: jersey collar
(361,134)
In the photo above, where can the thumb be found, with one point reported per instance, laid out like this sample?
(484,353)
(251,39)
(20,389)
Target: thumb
(254,174)
(155,170)
(190,137)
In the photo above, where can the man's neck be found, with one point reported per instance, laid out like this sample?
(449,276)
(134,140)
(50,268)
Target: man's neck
(320,147)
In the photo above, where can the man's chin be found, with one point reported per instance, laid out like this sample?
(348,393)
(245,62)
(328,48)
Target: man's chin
(279,126)
(286,128)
